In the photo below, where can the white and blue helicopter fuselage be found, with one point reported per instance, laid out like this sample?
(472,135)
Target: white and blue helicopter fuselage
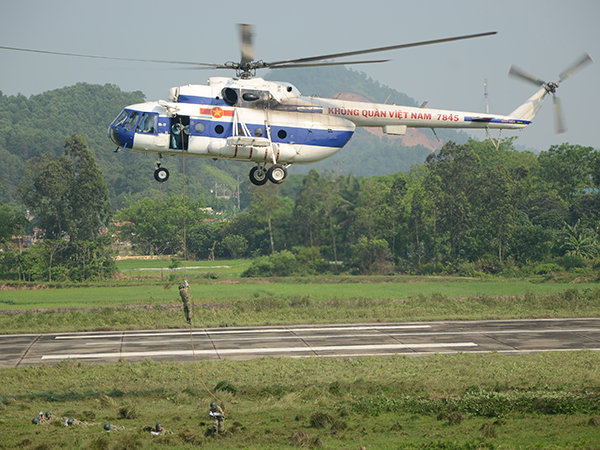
(273,125)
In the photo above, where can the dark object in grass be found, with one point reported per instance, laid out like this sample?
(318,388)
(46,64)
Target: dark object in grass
(127,412)
(226,386)
(453,418)
(320,419)
(488,430)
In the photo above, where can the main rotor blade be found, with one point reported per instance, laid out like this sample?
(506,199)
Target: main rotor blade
(315,64)
(520,73)
(246,43)
(113,58)
(378,49)
(584,60)
(558,117)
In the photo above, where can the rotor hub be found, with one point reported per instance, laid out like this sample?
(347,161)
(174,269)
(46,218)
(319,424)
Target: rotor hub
(551,87)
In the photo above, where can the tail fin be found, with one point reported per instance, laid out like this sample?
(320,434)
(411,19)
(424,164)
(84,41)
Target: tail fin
(530,108)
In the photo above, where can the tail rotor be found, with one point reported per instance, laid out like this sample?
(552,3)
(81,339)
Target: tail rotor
(552,86)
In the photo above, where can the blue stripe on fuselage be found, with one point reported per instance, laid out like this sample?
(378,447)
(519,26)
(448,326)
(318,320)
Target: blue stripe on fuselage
(490,120)
(202,100)
(293,135)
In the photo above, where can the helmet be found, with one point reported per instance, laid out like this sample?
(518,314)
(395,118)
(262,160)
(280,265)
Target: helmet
(34,421)
(69,421)
(48,414)
(213,404)
(181,286)
(106,427)
(158,426)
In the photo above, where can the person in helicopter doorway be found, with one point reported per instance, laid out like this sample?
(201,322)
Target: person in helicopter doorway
(186,298)
(218,418)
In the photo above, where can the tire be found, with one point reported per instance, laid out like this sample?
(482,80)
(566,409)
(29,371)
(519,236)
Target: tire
(161,175)
(277,174)
(256,177)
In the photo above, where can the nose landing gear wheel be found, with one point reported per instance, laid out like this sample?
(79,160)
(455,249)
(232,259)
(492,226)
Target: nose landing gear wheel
(277,174)
(257,177)
(161,174)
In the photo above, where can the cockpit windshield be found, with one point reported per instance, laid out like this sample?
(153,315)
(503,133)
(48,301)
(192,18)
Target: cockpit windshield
(121,118)
(131,121)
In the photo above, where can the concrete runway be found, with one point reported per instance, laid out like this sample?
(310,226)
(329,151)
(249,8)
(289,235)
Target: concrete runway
(299,341)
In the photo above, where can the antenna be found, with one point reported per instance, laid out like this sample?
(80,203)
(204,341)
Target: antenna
(486,106)
(485,96)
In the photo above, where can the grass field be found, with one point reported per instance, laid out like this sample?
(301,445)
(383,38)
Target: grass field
(448,402)
(267,302)
(461,401)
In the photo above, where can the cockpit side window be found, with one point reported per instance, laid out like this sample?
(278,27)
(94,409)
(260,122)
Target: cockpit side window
(131,121)
(147,124)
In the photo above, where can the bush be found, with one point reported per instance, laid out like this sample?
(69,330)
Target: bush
(303,261)
(371,256)
(571,262)
(544,269)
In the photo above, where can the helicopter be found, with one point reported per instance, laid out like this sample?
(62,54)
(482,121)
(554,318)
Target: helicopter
(272,125)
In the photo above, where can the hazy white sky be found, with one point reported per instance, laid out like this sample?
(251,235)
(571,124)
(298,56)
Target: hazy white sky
(541,36)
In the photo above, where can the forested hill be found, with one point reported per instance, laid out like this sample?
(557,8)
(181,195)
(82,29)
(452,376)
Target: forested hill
(41,123)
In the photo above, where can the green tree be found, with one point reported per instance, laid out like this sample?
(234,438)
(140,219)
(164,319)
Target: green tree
(70,199)
(265,201)
(69,193)
(567,168)
(88,194)
(157,225)
(453,175)
(236,245)
(371,256)
(12,223)
(580,241)
(309,213)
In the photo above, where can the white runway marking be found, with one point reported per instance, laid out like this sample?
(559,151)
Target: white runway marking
(225,331)
(256,350)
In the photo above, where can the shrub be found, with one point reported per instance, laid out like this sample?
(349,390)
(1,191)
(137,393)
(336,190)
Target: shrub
(571,262)
(544,269)
(371,256)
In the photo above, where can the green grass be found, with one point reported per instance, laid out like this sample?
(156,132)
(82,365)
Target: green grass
(156,291)
(151,306)
(454,402)
(462,401)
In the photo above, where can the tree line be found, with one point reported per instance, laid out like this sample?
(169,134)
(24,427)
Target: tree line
(468,209)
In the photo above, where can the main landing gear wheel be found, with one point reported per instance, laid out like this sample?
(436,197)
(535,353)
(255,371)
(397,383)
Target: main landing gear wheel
(277,174)
(258,176)
(161,174)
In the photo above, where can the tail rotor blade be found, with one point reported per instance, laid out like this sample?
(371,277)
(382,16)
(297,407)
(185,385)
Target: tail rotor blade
(558,117)
(584,60)
(520,73)
(246,42)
